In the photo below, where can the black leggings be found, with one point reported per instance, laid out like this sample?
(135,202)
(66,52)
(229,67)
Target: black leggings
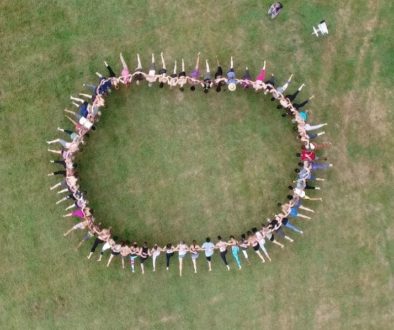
(111,72)
(69,132)
(309,187)
(292,97)
(219,72)
(223,256)
(168,257)
(59,173)
(300,105)
(270,81)
(61,162)
(97,241)
(71,196)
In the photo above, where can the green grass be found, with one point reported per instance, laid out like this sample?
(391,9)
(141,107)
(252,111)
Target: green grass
(339,275)
(221,161)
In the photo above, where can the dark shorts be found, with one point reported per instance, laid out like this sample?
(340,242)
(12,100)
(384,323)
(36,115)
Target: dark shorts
(143,259)
(280,232)
(139,76)
(162,71)
(272,238)
(256,247)
(115,253)
(209,258)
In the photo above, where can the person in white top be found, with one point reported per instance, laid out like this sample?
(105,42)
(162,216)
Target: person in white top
(151,77)
(155,252)
(261,240)
(182,249)
(208,248)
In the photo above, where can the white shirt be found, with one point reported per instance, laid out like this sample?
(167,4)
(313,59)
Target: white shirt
(209,248)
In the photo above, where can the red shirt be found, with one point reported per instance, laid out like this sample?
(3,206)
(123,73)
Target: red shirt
(308,155)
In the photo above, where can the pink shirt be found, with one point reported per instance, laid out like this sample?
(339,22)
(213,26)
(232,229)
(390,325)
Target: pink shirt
(125,74)
(78,213)
(261,75)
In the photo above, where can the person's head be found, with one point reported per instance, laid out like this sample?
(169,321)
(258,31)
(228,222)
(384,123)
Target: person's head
(93,128)
(279,204)
(243,236)
(290,187)
(289,197)
(231,236)
(207,240)
(249,233)
(297,170)
(254,230)
(298,154)
(300,164)
(219,238)
(135,244)
(194,242)
(169,245)
(192,88)
(181,89)
(232,87)
(145,244)
(280,5)
(155,246)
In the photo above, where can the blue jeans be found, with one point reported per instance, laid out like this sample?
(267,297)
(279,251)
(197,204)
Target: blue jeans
(292,227)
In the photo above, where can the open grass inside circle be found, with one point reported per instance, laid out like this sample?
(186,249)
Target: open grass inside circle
(166,165)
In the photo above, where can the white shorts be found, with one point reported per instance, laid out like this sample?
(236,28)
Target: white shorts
(80,225)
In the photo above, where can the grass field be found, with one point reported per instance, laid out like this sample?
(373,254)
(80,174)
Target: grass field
(154,151)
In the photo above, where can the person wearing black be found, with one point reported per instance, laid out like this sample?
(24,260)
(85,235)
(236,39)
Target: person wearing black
(111,72)
(144,255)
(169,248)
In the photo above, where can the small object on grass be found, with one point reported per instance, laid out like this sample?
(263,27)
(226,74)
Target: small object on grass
(275,9)
(321,28)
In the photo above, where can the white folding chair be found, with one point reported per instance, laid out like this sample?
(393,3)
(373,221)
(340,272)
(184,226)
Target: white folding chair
(321,28)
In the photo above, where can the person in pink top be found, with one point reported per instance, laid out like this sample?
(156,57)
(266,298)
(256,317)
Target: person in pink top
(261,75)
(79,213)
(126,77)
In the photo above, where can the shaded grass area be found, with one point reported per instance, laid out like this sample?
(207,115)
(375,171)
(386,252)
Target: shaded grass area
(338,276)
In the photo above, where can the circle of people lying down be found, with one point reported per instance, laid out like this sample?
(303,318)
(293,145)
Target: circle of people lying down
(89,111)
